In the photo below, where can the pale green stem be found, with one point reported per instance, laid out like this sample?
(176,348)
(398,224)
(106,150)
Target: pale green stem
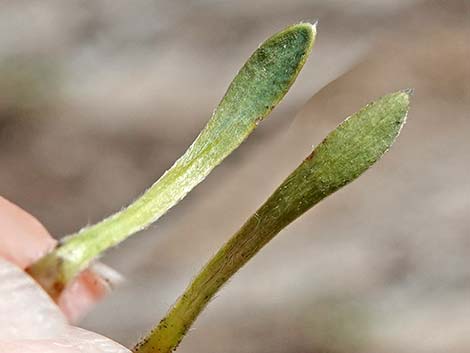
(256,90)
(346,153)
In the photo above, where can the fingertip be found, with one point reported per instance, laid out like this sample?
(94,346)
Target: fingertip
(82,294)
(23,239)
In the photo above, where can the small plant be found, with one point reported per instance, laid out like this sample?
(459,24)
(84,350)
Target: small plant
(344,154)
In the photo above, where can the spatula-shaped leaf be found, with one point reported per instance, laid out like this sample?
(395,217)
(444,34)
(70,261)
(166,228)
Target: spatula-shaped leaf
(345,154)
(256,90)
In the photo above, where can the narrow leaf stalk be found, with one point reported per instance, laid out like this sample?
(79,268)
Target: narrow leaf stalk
(345,154)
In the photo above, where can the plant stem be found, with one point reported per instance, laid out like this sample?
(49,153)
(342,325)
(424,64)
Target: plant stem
(255,91)
(346,153)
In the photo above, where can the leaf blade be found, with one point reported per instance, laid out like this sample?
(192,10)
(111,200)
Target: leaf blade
(347,152)
(344,154)
(258,87)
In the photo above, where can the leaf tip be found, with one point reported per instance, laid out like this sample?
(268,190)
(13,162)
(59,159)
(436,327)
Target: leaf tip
(408,91)
(309,29)
(405,95)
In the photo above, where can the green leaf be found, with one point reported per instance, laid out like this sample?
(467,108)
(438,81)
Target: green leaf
(256,90)
(345,154)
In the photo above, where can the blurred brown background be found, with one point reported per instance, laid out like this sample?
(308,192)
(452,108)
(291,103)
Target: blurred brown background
(98,98)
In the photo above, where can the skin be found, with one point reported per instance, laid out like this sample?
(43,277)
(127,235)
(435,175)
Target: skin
(30,322)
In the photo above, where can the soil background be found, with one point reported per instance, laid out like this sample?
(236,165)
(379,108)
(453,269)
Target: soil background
(97,99)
